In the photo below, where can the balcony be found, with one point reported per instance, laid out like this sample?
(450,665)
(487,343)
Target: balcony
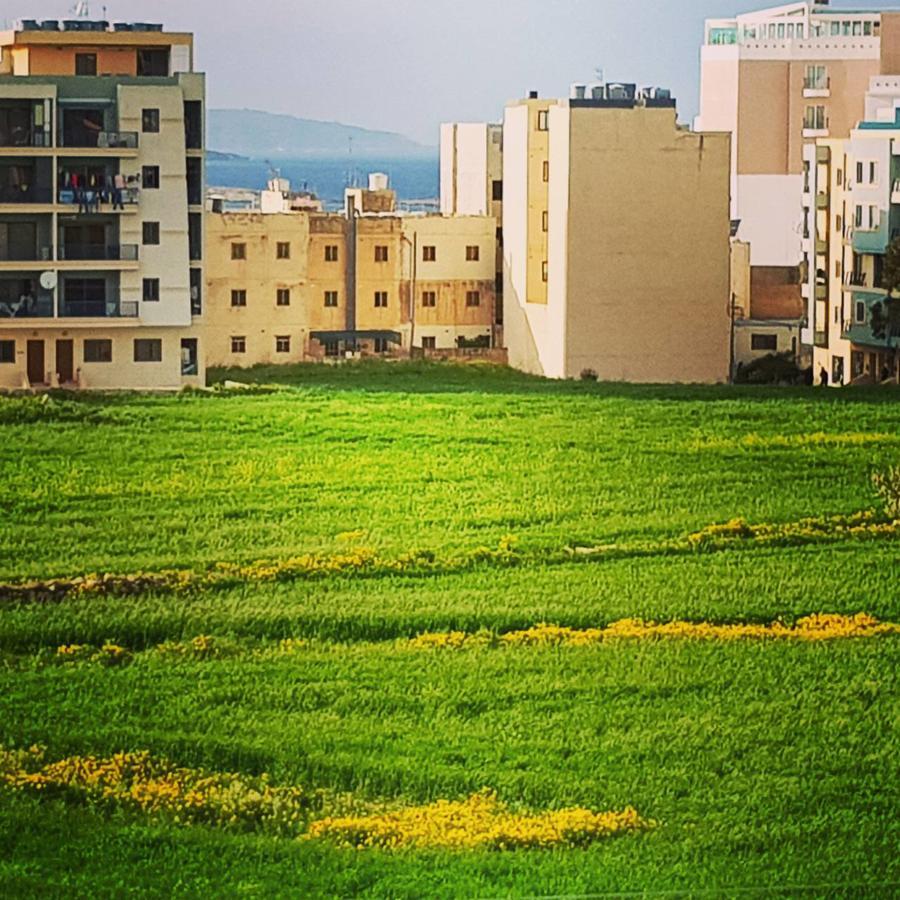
(91,202)
(26,306)
(86,139)
(99,308)
(858,330)
(99,252)
(816,87)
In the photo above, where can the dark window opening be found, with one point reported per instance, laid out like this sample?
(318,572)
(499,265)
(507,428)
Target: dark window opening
(153,63)
(86,64)
(151,290)
(150,178)
(189,357)
(150,121)
(151,234)
(98,351)
(147,350)
(193,124)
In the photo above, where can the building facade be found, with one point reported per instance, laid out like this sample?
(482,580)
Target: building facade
(616,238)
(101,207)
(777,80)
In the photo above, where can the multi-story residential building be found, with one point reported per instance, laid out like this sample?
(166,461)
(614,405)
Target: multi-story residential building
(851,216)
(289,287)
(616,235)
(101,206)
(778,79)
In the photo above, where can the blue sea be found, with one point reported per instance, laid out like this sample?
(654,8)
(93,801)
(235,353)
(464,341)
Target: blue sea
(414,178)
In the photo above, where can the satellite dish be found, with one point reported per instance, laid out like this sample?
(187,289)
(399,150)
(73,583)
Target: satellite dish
(48,281)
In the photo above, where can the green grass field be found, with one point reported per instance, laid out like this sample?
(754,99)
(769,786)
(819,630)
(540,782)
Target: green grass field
(763,764)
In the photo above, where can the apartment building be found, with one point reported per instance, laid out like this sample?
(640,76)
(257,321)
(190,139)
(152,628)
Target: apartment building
(778,80)
(101,206)
(616,236)
(310,285)
(851,216)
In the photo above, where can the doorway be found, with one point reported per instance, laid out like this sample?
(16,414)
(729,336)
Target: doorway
(36,371)
(65,362)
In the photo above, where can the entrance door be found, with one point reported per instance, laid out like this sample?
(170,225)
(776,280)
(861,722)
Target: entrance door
(36,371)
(65,361)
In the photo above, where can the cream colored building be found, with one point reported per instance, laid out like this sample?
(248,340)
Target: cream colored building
(616,239)
(303,286)
(96,293)
(777,80)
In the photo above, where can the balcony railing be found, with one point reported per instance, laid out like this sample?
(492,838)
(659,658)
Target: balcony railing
(111,252)
(29,194)
(99,309)
(67,197)
(27,307)
(26,139)
(857,279)
(822,83)
(101,140)
(32,254)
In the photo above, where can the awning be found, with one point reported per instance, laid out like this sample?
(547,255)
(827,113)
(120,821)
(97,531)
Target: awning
(324,337)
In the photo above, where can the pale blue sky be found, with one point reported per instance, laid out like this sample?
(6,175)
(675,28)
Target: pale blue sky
(407,65)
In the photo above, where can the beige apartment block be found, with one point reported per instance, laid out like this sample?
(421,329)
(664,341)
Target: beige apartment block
(101,208)
(303,286)
(777,80)
(616,240)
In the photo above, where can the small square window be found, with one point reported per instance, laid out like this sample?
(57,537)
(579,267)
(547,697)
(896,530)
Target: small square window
(150,178)
(86,64)
(429,299)
(331,299)
(283,250)
(98,351)
(238,298)
(332,348)
(765,342)
(543,120)
(381,345)
(151,234)
(147,350)
(429,254)
(151,290)
(473,254)
(150,121)
(473,298)
(282,344)
(238,251)
(7,351)
(381,299)
(429,343)
(239,344)
(381,254)
(283,298)
(331,253)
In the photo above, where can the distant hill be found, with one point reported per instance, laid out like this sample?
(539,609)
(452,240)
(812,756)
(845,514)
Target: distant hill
(263,135)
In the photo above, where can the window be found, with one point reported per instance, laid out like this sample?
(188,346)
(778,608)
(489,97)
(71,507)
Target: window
(282,344)
(7,351)
(150,121)
(150,178)
(238,298)
(873,173)
(473,254)
(429,343)
(546,170)
(238,344)
(151,290)
(873,218)
(497,190)
(381,254)
(151,233)
(429,254)
(86,64)
(816,78)
(814,118)
(381,345)
(153,63)
(473,298)
(97,351)
(381,299)
(331,298)
(859,312)
(429,299)
(858,217)
(545,221)
(768,342)
(859,173)
(283,250)
(189,357)
(839,224)
(543,120)
(238,251)
(331,253)
(332,348)
(545,271)
(147,350)
(840,177)
(283,297)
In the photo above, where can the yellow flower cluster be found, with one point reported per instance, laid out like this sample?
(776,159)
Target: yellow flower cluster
(154,786)
(480,822)
(201,647)
(811,628)
(108,654)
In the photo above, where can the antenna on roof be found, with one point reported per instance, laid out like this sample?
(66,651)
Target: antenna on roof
(598,74)
(82,9)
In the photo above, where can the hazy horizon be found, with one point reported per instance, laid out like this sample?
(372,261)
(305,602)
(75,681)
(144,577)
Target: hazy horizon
(406,66)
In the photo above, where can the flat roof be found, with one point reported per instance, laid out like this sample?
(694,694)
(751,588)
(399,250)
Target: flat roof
(94,38)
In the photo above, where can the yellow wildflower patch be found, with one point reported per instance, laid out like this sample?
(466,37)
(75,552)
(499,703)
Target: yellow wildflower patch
(481,822)
(824,627)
